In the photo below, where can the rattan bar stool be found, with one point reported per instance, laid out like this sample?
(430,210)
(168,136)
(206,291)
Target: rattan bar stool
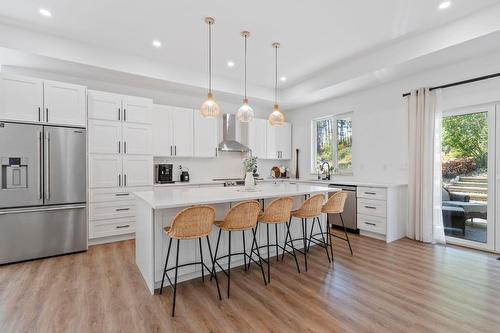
(277,212)
(310,209)
(241,217)
(190,224)
(335,205)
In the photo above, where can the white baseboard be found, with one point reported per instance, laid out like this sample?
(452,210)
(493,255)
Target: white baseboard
(111,239)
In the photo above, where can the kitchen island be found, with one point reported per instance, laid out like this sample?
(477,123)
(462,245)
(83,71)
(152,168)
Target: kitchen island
(156,209)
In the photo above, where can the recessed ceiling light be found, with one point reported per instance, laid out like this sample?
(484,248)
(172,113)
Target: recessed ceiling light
(283,78)
(156,43)
(45,12)
(444,4)
(230,64)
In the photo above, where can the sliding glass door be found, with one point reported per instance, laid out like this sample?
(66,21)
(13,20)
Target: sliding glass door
(469,161)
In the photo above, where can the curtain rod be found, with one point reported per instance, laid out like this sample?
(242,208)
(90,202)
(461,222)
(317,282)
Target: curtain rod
(481,78)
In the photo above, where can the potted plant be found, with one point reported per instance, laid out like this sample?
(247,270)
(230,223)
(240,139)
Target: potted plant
(250,164)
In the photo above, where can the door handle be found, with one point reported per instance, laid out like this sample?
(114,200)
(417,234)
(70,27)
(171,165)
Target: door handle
(40,166)
(170,150)
(175,150)
(119,147)
(119,114)
(125,180)
(124,147)
(47,166)
(124,114)
(47,115)
(39,114)
(119,180)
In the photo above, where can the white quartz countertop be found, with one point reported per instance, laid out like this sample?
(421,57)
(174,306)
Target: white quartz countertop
(338,182)
(160,198)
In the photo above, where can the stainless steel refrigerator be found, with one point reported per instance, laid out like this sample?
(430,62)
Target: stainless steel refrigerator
(42,191)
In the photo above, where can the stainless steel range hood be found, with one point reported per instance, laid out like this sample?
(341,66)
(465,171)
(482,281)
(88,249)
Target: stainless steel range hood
(229,142)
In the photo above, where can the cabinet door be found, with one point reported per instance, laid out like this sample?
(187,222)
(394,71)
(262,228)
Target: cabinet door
(162,131)
(182,128)
(137,170)
(103,105)
(105,171)
(137,109)
(104,137)
(136,139)
(257,137)
(271,134)
(21,98)
(206,136)
(284,141)
(64,103)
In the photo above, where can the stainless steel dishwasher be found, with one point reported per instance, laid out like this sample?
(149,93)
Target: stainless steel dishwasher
(350,211)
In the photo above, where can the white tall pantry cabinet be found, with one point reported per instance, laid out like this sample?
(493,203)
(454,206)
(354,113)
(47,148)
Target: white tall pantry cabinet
(120,160)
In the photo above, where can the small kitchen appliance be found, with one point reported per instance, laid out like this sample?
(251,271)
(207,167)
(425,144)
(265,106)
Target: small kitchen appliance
(163,173)
(184,174)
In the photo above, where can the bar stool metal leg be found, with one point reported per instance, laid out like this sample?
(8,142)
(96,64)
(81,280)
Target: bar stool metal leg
(166,262)
(213,268)
(288,234)
(329,232)
(244,250)
(229,266)
(201,256)
(276,240)
(175,280)
(268,262)
(254,231)
(215,254)
(324,241)
(345,233)
(304,236)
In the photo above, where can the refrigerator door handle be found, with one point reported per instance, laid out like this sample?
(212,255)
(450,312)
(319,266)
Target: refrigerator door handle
(40,165)
(47,165)
(40,209)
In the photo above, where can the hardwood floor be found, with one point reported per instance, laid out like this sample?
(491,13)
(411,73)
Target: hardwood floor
(400,287)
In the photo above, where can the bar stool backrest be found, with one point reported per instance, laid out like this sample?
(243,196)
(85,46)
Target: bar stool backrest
(311,207)
(335,204)
(192,222)
(277,211)
(242,216)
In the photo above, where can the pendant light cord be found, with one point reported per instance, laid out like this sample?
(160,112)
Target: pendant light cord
(245,67)
(210,57)
(276,76)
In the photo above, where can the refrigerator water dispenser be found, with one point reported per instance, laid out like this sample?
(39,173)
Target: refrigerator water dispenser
(14,172)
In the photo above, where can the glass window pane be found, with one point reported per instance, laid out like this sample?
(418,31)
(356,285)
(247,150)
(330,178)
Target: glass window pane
(324,136)
(344,144)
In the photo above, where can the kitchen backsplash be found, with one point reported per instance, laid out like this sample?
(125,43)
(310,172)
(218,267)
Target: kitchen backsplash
(227,165)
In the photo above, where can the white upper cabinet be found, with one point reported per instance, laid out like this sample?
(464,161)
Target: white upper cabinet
(104,137)
(172,131)
(257,137)
(64,103)
(136,139)
(21,98)
(279,142)
(137,170)
(137,110)
(105,106)
(206,136)
(162,131)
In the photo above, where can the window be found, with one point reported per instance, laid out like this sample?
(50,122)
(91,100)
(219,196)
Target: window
(332,143)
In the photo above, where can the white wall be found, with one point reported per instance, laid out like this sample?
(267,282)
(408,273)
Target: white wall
(226,165)
(380,140)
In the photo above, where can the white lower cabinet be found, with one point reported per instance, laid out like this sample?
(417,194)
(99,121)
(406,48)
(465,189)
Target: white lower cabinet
(111,227)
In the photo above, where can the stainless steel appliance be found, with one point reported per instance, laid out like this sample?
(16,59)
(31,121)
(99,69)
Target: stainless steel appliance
(42,191)
(163,173)
(229,142)
(350,210)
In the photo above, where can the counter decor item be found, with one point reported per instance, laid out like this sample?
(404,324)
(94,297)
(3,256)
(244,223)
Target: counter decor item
(250,164)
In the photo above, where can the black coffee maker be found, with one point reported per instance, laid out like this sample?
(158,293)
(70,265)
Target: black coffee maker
(184,174)
(163,173)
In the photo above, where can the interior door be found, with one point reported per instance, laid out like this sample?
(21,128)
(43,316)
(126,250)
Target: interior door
(21,98)
(103,105)
(136,139)
(64,103)
(65,165)
(20,165)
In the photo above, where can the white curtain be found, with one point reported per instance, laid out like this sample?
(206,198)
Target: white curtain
(425,221)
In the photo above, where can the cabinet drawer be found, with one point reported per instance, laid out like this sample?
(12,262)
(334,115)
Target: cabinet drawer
(111,227)
(110,210)
(372,223)
(375,193)
(372,207)
(115,194)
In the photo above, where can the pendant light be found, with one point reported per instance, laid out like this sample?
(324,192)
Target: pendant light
(209,108)
(245,112)
(276,118)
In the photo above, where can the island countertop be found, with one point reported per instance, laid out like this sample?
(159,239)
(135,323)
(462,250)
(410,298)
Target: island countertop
(161,198)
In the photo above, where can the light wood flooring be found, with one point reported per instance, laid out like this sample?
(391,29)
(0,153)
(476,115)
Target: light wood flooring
(400,287)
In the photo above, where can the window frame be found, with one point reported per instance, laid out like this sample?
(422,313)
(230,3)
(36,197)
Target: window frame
(334,162)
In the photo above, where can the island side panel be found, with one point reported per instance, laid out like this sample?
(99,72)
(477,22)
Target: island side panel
(144,241)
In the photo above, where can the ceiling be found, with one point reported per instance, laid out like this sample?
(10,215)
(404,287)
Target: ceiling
(315,34)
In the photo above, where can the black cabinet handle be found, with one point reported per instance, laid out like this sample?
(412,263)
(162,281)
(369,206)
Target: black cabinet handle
(371,193)
(122,226)
(121,209)
(47,114)
(119,180)
(124,147)
(372,224)
(122,194)
(175,150)
(124,114)
(119,114)
(39,114)
(119,146)
(370,207)
(125,180)
(171,151)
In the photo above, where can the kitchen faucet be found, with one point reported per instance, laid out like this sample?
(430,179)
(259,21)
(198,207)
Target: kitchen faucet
(327,174)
